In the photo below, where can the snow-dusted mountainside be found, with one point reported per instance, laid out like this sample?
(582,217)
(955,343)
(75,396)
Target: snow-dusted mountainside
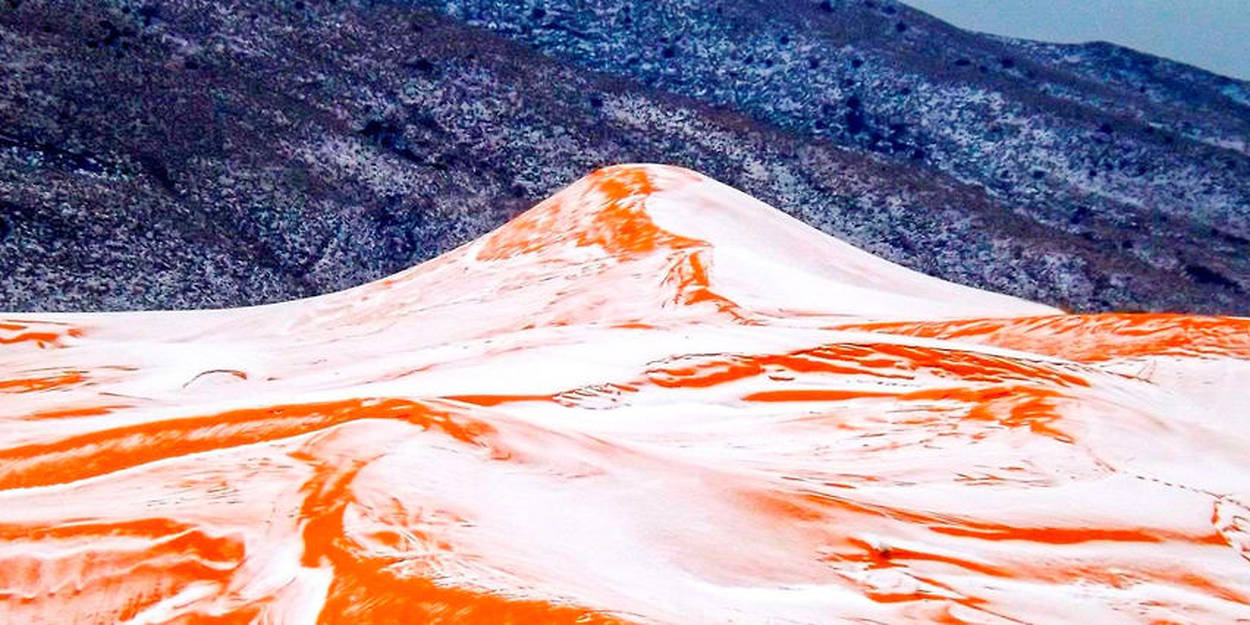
(649,399)
(224,153)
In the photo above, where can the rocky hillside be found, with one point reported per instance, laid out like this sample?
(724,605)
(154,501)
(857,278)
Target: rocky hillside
(205,154)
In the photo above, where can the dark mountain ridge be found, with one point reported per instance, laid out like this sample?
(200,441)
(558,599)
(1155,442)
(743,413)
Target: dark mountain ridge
(205,154)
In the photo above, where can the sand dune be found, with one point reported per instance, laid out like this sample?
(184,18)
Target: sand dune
(649,399)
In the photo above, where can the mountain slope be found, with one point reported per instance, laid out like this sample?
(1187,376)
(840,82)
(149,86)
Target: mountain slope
(207,154)
(593,415)
(1126,149)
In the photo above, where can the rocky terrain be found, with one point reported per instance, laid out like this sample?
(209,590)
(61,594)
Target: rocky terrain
(211,154)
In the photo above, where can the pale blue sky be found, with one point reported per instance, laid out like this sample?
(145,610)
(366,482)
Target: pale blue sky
(1211,34)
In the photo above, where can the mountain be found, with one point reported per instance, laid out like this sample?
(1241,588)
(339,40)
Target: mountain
(649,399)
(213,154)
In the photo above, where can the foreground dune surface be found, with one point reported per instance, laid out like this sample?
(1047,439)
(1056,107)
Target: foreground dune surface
(649,399)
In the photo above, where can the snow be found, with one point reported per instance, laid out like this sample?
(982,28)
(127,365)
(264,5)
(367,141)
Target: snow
(650,399)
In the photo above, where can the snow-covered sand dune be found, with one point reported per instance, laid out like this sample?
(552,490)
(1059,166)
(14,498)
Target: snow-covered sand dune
(650,399)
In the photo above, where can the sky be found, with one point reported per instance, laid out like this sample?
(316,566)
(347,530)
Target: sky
(1211,34)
